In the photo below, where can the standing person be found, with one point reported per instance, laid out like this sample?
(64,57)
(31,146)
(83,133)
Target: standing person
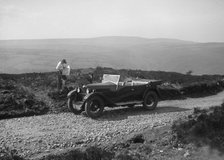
(63,71)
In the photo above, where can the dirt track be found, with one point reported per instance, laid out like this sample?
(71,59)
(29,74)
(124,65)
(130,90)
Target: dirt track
(41,134)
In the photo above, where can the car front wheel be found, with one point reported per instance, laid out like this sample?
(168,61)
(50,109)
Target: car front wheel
(150,100)
(94,106)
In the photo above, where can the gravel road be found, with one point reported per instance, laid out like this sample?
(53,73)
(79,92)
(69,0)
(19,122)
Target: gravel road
(31,136)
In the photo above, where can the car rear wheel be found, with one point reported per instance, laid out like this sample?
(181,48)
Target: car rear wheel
(150,100)
(74,105)
(94,106)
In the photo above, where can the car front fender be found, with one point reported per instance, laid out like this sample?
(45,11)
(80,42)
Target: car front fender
(90,95)
(71,93)
(105,99)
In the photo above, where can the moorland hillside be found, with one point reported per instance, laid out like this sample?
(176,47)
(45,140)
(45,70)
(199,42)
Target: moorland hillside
(22,56)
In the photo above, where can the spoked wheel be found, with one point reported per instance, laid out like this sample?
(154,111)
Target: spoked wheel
(74,105)
(150,101)
(94,106)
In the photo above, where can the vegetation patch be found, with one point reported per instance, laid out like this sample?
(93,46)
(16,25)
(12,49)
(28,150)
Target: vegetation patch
(202,127)
(87,153)
(200,89)
(17,100)
(7,153)
(36,93)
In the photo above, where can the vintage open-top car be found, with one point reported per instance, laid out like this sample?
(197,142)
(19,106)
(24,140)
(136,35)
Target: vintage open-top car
(92,98)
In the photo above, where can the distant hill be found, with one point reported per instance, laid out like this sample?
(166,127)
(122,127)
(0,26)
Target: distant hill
(20,56)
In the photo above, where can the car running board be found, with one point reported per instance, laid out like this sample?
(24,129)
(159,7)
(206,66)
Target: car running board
(127,103)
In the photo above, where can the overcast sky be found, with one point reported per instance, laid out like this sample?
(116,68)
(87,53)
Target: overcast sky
(195,20)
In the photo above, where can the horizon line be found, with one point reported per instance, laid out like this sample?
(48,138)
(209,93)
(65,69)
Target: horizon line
(109,36)
(82,38)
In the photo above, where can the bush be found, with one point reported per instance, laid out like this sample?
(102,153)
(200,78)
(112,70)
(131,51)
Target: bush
(202,127)
(18,100)
(170,91)
(199,89)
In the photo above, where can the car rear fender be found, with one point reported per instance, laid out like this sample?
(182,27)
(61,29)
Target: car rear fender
(153,90)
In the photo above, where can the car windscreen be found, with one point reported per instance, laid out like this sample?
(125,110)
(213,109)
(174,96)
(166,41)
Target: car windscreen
(111,78)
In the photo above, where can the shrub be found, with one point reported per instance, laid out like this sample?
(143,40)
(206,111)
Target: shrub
(198,89)
(202,127)
(20,101)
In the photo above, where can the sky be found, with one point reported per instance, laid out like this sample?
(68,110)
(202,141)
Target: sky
(194,20)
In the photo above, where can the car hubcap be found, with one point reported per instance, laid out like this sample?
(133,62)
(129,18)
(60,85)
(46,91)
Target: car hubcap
(95,106)
(150,101)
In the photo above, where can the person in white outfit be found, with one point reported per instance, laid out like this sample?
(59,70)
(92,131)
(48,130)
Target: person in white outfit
(63,71)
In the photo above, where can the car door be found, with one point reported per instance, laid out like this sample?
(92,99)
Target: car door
(125,93)
(138,91)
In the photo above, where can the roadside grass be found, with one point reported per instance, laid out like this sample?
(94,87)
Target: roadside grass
(17,100)
(203,127)
(201,89)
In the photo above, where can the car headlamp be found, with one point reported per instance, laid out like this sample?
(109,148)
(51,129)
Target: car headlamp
(87,91)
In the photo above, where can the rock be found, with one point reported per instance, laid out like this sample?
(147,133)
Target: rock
(156,124)
(5,91)
(40,141)
(186,154)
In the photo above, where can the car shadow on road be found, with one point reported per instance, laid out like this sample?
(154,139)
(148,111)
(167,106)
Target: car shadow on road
(125,112)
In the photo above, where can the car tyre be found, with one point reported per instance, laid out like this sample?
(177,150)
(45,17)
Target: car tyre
(94,107)
(150,100)
(73,106)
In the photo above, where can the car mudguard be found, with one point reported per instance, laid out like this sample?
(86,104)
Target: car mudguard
(154,89)
(92,94)
(74,91)
(105,99)
(71,93)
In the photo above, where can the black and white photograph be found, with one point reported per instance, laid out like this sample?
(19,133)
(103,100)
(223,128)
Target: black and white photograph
(111,79)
